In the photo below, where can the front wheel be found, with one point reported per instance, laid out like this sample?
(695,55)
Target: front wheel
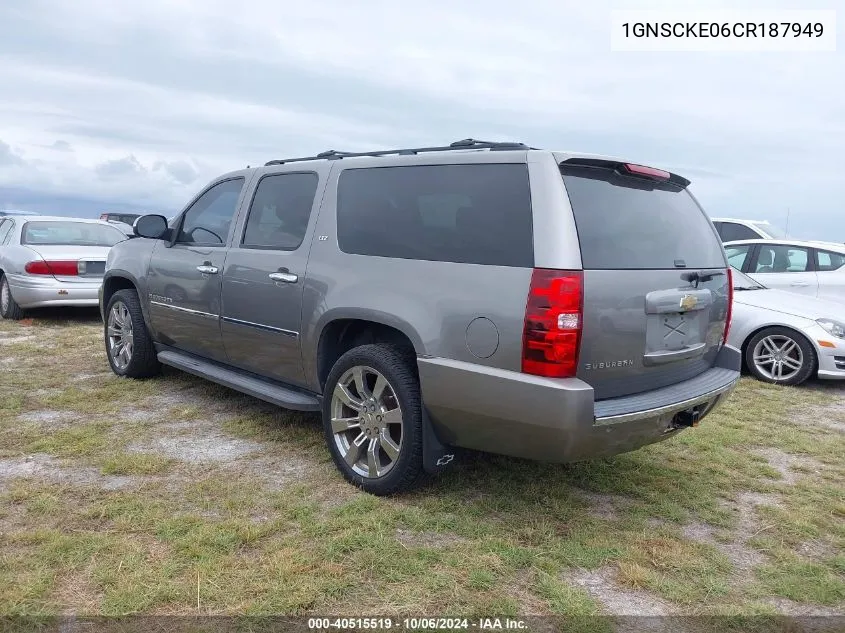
(372,419)
(129,346)
(781,356)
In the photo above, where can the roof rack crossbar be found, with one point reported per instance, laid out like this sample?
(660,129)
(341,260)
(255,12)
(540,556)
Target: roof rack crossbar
(467,143)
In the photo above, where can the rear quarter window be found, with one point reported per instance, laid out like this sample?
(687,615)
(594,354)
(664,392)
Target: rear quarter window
(626,222)
(828,260)
(475,214)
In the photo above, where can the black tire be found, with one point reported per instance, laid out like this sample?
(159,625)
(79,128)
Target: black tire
(143,362)
(809,360)
(12,311)
(398,367)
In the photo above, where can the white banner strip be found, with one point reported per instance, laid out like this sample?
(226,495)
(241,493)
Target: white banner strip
(728,30)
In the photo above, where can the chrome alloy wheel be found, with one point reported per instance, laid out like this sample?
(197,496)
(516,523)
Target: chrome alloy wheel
(778,357)
(120,335)
(367,421)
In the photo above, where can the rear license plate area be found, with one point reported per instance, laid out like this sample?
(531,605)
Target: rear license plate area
(674,331)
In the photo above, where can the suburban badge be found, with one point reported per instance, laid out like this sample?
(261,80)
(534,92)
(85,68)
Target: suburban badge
(610,364)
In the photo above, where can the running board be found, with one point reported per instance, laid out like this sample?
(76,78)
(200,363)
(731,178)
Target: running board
(270,392)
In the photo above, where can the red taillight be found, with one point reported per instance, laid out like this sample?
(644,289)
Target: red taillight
(552,334)
(729,314)
(53,268)
(642,170)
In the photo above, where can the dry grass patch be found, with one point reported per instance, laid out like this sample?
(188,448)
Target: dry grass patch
(121,496)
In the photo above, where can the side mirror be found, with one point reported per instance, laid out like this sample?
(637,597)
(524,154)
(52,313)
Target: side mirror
(151,226)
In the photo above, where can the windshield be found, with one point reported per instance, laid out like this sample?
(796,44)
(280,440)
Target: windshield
(744,282)
(770,229)
(58,233)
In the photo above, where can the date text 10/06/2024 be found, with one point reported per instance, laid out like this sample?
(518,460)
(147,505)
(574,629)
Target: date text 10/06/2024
(421,623)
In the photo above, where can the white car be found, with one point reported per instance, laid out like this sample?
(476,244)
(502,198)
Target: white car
(732,229)
(52,261)
(785,341)
(813,269)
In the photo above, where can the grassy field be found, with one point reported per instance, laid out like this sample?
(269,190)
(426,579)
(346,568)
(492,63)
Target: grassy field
(174,496)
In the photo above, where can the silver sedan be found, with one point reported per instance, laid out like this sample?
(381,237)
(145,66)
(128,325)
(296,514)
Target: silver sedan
(52,261)
(785,338)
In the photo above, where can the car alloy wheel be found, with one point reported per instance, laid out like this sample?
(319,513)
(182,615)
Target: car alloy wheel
(120,336)
(777,357)
(366,421)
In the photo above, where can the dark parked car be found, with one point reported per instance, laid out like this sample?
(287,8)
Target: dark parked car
(430,298)
(126,218)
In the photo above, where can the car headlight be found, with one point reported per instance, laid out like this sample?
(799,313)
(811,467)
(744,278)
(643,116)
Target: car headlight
(834,328)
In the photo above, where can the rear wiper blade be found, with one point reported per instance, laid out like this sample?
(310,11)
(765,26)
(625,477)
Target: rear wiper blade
(695,276)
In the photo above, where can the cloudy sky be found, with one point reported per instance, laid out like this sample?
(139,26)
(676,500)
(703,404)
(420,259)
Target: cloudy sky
(111,104)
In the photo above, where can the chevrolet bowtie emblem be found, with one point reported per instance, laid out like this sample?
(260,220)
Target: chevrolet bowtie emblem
(688,302)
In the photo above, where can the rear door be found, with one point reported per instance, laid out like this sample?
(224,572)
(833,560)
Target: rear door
(655,279)
(264,276)
(785,267)
(830,270)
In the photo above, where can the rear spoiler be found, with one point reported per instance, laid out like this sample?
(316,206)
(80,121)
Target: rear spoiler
(629,169)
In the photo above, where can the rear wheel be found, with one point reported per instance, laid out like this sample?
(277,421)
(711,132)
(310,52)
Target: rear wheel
(129,346)
(372,419)
(9,309)
(781,356)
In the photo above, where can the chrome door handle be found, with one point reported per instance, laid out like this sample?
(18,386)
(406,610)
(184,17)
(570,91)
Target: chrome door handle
(799,283)
(208,270)
(288,278)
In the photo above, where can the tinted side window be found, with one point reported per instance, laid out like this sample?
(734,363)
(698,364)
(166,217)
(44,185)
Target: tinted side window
(782,259)
(827,260)
(737,255)
(209,218)
(6,227)
(731,232)
(477,214)
(279,213)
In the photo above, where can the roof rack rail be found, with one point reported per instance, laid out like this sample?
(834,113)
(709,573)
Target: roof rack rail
(467,143)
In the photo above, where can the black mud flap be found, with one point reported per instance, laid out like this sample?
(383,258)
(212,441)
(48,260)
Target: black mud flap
(436,455)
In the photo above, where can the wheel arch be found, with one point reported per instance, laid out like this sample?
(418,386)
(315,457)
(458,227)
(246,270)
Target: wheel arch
(113,283)
(120,280)
(341,334)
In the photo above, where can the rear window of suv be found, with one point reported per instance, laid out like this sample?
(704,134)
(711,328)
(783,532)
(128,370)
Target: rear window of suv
(626,222)
(475,214)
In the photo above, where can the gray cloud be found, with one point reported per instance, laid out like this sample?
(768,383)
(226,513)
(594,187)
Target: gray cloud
(756,133)
(62,146)
(181,171)
(119,168)
(8,156)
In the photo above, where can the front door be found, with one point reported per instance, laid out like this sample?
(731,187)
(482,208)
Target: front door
(264,277)
(184,275)
(785,267)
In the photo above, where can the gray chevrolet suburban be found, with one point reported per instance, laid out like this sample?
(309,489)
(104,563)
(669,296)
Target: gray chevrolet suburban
(485,295)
